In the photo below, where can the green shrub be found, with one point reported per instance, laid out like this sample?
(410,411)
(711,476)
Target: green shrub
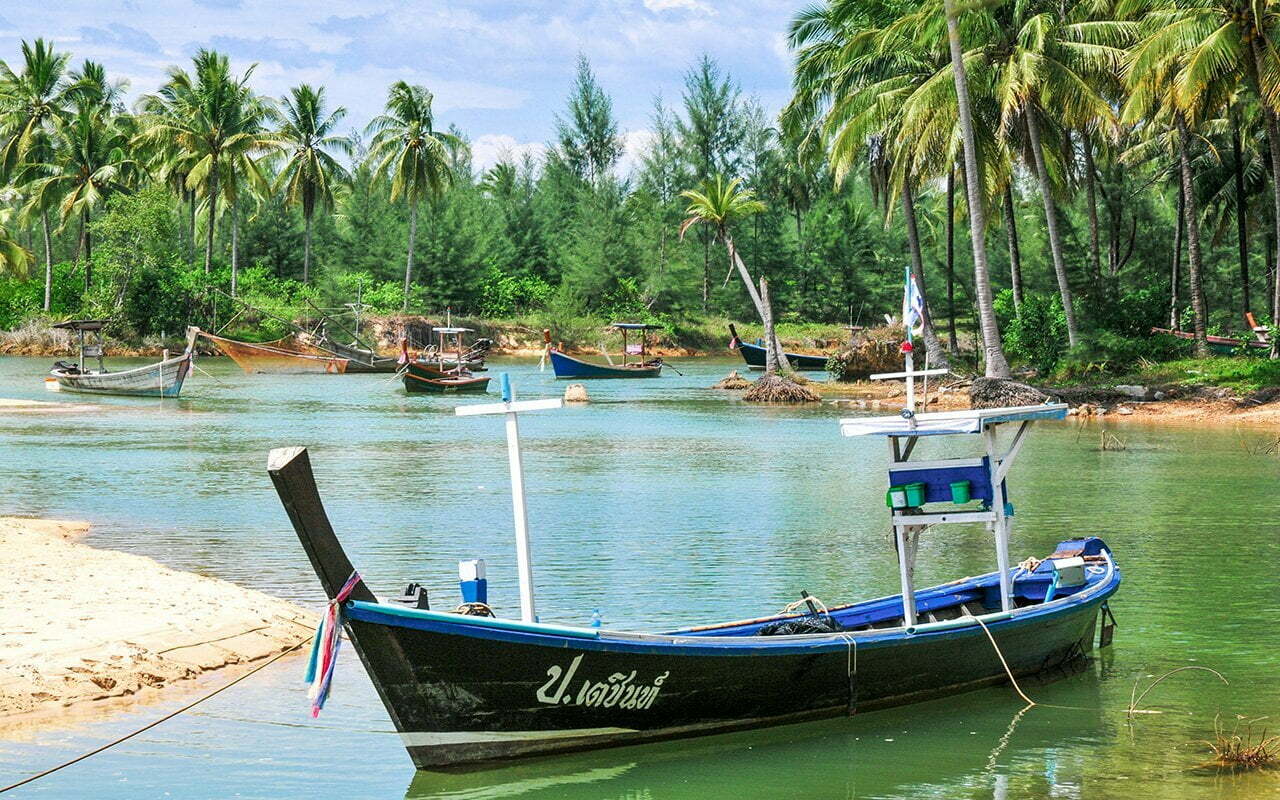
(1036,333)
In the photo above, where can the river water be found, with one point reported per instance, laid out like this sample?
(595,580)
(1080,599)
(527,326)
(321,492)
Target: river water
(661,503)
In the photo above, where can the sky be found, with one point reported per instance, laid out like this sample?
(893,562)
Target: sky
(500,70)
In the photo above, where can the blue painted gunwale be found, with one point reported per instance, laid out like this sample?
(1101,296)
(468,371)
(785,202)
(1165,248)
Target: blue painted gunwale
(723,641)
(570,367)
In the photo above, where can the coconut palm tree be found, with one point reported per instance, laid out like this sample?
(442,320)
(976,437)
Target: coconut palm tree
(93,162)
(996,364)
(407,147)
(14,258)
(860,76)
(1049,72)
(204,119)
(31,100)
(1153,69)
(307,139)
(720,205)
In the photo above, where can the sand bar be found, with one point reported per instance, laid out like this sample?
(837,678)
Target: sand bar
(84,625)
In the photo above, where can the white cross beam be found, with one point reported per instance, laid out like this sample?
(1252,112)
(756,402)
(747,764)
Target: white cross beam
(508,406)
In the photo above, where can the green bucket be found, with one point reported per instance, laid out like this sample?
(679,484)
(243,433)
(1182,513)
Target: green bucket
(896,497)
(915,494)
(960,492)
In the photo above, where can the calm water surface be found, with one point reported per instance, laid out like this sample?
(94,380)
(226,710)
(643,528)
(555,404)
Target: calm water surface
(660,504)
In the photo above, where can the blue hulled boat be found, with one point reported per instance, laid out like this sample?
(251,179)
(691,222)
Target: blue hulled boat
(566,366)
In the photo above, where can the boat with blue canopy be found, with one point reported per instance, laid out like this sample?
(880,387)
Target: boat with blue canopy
(569,367)
(468,685)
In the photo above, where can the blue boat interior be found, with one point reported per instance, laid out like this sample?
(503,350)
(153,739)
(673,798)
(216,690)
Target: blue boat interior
(966,597)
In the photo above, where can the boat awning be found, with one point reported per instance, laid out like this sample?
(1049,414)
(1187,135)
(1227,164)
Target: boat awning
(453,330)
(941,423)
(82,324)
(634,326)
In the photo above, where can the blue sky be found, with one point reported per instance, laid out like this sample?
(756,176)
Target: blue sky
(499,70)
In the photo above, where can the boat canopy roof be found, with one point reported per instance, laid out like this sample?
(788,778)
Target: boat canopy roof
(941,423)
(453,330)
(634,326)
(82,324)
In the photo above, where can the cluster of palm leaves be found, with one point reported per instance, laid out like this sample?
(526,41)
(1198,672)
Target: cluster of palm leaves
(67,144)
(1046,94)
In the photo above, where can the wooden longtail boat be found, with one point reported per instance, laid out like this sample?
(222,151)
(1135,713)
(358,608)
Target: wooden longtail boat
(280,357)
(358,358)
(465,690)
(1222,345)
(755,354)
(162,379)
(441,373)
(568,367)
(425,378)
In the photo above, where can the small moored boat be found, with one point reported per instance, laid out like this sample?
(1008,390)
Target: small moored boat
(162,379)
(279,357)
(755,355)
(566,366)
(442,373)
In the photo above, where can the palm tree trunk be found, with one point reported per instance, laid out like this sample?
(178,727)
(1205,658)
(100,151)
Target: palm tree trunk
(213,211)
(997,366)
(1242,229)
(932,346)
(1192,215)
(1090,198)
(1051,222)
(771,357)
(1273,144)
(235,247)
(1015,253)
(306,253)
(191,226)
(87,248)
(762,309)
(1175,318)
(953,343)
(48,260)
(408,266)
(706,270)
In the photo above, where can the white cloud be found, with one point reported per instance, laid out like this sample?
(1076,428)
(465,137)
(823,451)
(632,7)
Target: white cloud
(634,145)
(490,148)
(657,6)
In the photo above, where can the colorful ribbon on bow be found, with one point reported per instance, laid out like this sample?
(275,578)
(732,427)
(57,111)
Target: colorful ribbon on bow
(324,647)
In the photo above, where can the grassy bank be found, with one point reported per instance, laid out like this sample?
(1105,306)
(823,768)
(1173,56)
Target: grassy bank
(687,337)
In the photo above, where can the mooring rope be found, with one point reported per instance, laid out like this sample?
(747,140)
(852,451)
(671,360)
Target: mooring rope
(1004,663)
(156,722)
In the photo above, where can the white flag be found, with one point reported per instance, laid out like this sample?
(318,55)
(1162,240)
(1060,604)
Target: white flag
(912,305)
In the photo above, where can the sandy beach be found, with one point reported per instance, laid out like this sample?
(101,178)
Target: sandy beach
(90,625)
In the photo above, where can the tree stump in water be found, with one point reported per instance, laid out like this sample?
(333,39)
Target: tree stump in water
(780,389)
(732,381)
(1001,393)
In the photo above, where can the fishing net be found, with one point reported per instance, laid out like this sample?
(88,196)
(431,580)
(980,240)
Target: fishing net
(809,623)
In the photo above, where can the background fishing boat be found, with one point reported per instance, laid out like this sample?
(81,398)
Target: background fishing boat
(279,357)
(754,355)
(1222,345)
(441,373)
(566,366)
(162,379)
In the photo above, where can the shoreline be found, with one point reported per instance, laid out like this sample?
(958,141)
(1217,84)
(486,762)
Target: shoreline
(93,627)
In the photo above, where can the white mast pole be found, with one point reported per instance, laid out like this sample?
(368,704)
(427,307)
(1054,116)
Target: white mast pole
(524,552)
(524,557)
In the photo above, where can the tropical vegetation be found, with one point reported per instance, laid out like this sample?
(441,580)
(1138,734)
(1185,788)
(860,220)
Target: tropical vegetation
(1116,166)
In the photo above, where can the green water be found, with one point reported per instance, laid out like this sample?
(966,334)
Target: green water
(661,503)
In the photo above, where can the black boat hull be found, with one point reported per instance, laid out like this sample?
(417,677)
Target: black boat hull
(462,700)
(754,355)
